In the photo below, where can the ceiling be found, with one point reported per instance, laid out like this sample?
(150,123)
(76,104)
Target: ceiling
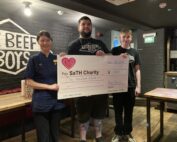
(46,12)
(142,14)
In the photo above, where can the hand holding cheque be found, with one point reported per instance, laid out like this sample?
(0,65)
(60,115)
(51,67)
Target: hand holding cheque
(91,75)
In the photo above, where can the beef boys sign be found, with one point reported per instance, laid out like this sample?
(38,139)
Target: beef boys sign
(15,49)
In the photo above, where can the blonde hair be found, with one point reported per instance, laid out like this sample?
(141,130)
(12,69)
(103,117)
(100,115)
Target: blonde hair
(123,31)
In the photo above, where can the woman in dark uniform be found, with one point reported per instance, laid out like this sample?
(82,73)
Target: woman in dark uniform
(41,75)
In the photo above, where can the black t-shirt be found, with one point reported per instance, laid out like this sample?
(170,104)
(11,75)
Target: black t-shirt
(134,59)
(88,46)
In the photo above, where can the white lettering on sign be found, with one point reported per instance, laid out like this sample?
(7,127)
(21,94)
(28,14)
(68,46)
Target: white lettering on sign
(17,41)
(15,49)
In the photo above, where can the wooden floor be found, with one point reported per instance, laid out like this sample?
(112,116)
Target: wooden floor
(139,132)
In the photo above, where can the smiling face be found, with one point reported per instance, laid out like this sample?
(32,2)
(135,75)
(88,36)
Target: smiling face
(45,41)
(125,39)
(85,28)
(45,44)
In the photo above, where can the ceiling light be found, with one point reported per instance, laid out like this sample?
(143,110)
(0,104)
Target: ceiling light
(60,12)
(27,10)
(162,5)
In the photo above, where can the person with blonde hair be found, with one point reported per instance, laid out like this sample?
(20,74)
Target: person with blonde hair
(125,101)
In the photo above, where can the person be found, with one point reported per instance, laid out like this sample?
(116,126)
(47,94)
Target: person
(124,102)
(41,75)
(93,106)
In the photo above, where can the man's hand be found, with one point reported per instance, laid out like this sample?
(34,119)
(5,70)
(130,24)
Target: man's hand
(62,54)
(100,53)
(124,55)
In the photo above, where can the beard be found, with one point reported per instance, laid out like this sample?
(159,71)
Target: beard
(86,34)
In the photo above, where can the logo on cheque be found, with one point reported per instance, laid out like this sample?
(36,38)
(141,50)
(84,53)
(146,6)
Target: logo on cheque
(68,62)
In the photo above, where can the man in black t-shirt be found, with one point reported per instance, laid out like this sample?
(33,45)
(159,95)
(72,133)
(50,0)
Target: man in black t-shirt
(124,102)
(92,106)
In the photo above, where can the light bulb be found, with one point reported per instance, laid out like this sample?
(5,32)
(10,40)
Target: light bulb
(60,12)
(27,11)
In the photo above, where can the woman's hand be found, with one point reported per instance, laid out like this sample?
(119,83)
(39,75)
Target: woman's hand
(54,87)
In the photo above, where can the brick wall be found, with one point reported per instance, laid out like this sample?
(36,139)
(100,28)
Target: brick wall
(153,60)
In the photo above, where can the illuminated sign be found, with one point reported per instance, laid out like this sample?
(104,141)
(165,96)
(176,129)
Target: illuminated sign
(149,37)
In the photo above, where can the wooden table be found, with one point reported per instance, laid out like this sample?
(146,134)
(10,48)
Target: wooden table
(161,95)
(12,102)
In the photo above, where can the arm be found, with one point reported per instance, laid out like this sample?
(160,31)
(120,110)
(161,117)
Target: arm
(138,80)
(41,86)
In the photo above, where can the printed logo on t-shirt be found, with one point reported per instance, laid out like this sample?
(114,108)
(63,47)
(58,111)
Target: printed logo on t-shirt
(91,48)
(131,58)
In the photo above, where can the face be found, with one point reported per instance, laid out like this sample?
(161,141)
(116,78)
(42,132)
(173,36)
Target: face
(45,44)
(125,39)
(85,28)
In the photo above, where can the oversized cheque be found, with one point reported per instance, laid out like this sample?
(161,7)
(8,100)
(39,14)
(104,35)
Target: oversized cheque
(91,75)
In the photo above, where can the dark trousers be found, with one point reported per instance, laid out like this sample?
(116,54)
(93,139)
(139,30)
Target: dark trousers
(47,126)
(123,107)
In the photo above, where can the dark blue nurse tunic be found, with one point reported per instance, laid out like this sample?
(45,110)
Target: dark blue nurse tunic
(43,69)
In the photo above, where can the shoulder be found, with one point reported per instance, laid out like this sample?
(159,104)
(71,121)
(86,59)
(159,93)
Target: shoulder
(73,43)
(35,56)
(33,59)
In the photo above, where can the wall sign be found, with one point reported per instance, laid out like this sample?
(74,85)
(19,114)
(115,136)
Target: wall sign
(149,37)
(15,49)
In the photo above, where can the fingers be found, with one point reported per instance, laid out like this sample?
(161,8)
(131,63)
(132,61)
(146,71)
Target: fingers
(55,87)
(124,55)
(62,54)
(137,93)
(100,53)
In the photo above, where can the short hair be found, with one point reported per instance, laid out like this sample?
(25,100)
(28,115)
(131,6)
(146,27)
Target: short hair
(126,31)
(84,18)
(44,33)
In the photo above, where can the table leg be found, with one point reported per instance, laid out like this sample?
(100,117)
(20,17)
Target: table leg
(23,125)
(148,104)
(161,118)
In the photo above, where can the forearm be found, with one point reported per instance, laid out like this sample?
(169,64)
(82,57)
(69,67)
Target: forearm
(138,78)
(36,85)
